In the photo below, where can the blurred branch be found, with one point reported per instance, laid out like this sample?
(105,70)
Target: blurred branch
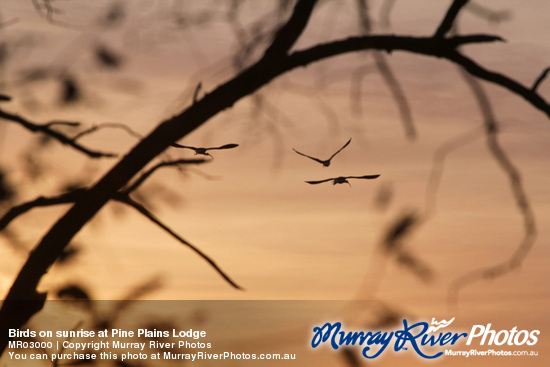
(490,15)
(388,75)
(397,92)
(518,191)
(48,131)
(149,172)
(126,199)
(385,13)
(438,165)
(107,125)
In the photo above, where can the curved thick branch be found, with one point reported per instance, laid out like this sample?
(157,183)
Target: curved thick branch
(443,48)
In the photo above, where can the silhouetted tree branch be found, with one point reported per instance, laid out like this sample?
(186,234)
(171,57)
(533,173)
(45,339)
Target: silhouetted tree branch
(107,125)
(540,79)
(126,199)
(449,19)
(60,137)
(438,164)
(14,212)
(144,176)
(518,191)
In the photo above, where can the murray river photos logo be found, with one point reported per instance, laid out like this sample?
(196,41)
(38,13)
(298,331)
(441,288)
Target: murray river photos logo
(427,340)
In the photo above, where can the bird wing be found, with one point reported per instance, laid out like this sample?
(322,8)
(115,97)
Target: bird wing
(339,150)
(368,177)
(226,146)
(318,182)
(176,145)
(305,155)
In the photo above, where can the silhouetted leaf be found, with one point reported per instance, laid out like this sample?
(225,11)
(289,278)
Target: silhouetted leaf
(107,57)
(399,229)
(71,91)
(114,16)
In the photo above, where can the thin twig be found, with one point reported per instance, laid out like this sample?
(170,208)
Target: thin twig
(46,129)
(14,212)
(150,171)
(475,69)
(540,79)
(385,70)
(438,164)
(196,93)
(518,191)
(108,125)
(126,199)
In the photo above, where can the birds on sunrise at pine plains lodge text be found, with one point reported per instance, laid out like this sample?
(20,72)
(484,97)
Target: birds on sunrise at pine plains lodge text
(339,179)
(204,151)
(325,163)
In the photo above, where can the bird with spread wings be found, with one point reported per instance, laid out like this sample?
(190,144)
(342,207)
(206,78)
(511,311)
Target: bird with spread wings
(326,162)
(204,151)
(342,179)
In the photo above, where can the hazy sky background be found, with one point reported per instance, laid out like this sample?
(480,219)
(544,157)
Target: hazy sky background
(275,235)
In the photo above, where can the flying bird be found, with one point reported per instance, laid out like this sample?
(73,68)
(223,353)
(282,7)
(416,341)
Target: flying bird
(342,179)
(325,163)
(204,151)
